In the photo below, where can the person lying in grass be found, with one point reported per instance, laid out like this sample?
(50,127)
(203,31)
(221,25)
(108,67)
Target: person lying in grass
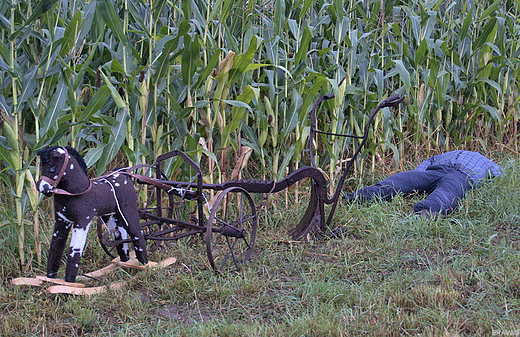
(445,178)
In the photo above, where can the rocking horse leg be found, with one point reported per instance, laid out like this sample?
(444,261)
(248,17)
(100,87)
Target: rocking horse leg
(140,250)
(122,249)
(58,241)
(135,232)
(139,246)
(77,244)
(119,234)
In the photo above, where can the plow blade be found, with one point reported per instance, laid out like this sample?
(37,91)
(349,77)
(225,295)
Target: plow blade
(312,222)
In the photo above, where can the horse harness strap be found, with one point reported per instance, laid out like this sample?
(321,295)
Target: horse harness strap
(151,181)
(63,192)
(127,171)
(145,179)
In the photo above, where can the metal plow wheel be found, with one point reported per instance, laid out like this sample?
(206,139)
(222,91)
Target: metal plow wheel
(231,230)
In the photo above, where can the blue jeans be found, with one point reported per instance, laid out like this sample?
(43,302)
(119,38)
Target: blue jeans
(445,185)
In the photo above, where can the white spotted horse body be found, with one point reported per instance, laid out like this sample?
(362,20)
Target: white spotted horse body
(78,200)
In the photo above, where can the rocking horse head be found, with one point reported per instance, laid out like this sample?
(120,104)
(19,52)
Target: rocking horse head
(78,200)
(63,171)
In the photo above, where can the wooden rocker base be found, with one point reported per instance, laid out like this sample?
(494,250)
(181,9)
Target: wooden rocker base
(63,287)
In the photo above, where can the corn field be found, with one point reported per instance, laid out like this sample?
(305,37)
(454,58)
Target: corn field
(232,82)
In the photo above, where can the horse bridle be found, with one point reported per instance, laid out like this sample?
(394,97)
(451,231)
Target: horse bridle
(54,182)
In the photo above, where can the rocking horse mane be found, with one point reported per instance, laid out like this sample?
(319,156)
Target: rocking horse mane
(44,155)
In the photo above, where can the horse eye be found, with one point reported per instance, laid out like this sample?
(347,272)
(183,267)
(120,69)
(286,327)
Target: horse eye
(52,169)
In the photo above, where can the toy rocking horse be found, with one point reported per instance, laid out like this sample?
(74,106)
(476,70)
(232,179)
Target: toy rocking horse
(78,200)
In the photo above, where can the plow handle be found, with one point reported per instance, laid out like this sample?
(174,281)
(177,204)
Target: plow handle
(313,222)
(391,101)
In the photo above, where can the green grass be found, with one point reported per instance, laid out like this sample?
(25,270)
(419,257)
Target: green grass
(390,273)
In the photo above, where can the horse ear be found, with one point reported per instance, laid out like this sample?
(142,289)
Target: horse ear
(44,154)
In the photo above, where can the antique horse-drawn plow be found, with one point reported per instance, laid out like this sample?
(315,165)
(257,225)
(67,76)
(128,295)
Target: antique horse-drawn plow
(172,209)
(230,226)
